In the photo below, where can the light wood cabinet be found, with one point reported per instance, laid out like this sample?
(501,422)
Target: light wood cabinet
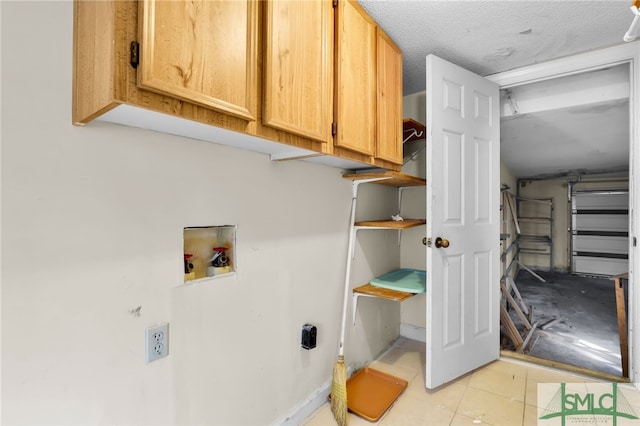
(355,79)
(369,88)
(271,76)
(298,67)
(105,83)
(201,52)
(389,99)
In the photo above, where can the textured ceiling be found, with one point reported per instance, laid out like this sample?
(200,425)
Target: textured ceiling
(487,37)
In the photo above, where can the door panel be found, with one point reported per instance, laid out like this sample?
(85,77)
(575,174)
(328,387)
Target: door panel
(482,179)
(356,78)
(298,67)
(463,188)
(452,101)
(454,299)
(201,52)
(453,178)
(389,100)
(482,289)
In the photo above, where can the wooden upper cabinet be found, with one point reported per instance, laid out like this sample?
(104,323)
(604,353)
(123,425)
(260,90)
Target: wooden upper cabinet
(389,100)
(203,52)
(280,70)
(298,67)
(356,78)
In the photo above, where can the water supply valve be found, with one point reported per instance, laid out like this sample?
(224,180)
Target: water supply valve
(220,258)
(219,262)
(188,263)
(189,273)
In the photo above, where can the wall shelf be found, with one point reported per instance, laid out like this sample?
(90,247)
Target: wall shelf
(534,219)
(389,178)
(391,224)
(369,290)
(385,293)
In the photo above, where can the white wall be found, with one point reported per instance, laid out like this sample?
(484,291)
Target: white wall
(92,222)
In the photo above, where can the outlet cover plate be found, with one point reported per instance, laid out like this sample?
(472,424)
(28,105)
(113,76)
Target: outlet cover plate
(156,342)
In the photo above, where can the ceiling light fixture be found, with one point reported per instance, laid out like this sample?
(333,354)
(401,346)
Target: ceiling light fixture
(634,29)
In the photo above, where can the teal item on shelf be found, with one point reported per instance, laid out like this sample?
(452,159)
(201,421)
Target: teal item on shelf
(407,280)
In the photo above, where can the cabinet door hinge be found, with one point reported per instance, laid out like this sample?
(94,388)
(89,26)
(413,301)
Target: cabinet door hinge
(134,54)
(334,128)
(335,3)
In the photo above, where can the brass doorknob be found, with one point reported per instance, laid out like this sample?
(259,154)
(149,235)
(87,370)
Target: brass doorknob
(442,243)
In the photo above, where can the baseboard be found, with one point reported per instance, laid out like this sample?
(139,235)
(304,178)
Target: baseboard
(302,412)
(413,332)
(317,399)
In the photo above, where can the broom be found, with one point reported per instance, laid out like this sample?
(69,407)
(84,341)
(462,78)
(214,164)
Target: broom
(339,392)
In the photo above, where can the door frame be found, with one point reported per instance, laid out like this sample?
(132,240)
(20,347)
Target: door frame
(590,61)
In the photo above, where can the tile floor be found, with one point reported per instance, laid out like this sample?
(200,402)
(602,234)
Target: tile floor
(501,393)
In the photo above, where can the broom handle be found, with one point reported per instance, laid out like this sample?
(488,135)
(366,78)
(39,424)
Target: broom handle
(347,274)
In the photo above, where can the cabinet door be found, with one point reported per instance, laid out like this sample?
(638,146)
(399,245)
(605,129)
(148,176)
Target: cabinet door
(298,67)
(356,78)
(202,52)
(389,99)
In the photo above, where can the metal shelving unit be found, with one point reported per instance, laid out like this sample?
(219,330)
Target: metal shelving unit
(536,236)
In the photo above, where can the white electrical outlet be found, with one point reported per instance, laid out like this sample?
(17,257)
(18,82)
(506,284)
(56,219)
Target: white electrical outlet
(157,342)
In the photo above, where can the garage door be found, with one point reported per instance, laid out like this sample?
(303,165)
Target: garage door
(599,232)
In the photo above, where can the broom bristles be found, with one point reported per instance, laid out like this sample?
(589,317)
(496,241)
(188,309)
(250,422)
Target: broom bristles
(339,392)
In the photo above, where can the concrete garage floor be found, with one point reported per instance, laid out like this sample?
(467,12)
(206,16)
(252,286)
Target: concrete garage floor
(586,334)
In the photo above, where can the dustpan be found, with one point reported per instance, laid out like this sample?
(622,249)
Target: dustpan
(372,392)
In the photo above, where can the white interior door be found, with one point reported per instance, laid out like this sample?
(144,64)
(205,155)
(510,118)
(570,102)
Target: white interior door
(463,187)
